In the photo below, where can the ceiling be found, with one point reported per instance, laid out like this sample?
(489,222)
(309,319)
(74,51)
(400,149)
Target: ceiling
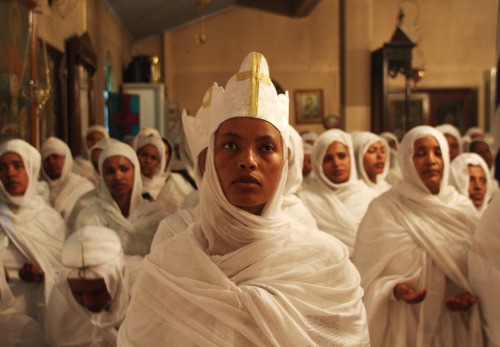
(147,18)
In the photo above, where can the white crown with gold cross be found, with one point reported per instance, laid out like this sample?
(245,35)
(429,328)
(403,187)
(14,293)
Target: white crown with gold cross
(196,127)
(251,93)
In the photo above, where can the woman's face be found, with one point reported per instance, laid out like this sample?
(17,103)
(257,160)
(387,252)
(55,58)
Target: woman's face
(428,162)
(92,138)
(90,293)
(337,163)
(118,174)
(149,159)
(248,157)
(477,184)
(374,160)
(13,174)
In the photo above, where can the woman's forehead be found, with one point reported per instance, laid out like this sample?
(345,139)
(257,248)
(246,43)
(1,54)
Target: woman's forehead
(244,126)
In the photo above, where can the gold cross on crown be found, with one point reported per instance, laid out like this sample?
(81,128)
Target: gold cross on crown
(255,76)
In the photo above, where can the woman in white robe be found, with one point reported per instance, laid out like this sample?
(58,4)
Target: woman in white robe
(372,162)
(92,317)
(196,134)
(31,232)
(411,251)
(137,223)
(246,275)
(453,137)
(478,191)
(82,165)
(394,175)
(292,204)
(160,183)
(68,187)
(337,207)
(91,196)
(484,270)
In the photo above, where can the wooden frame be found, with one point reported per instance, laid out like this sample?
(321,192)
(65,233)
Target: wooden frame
(308,106)
(81,64)
(397,121)
(432,106)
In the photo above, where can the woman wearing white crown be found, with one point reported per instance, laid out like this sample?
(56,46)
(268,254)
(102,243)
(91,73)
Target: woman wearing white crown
(247,274)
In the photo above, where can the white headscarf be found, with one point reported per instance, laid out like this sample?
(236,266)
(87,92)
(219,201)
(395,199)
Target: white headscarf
(90,253)
(459,176)
(292,204)
(34,227)
(135,231)
(362,140)
(405,158)
(94,128)
(450,130)
(32,162)
(149,136)
(419,238)
(394,176)
(262,287)
(344,204)
(124,150)
(69,187)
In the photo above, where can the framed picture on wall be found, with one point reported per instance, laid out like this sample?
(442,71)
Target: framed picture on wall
(308,106)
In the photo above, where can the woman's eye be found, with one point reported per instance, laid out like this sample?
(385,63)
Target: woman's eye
(268,148)
(230,145)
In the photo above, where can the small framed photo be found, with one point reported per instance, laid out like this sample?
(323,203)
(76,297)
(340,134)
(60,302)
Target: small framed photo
(308,106)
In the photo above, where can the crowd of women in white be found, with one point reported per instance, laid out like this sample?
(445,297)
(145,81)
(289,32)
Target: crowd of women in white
(345,239)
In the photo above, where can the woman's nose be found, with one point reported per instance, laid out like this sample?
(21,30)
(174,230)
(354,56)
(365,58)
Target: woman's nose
(246,159)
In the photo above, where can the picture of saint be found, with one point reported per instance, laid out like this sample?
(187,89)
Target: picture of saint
(310,107)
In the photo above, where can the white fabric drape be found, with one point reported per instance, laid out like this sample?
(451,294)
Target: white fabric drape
(459,176)
(135,231)
(394,175)
(410,235)
(337,207)
(35,228)
(484,269)
(246,279)
(361,141)
(91,252)
(292,204)
(69,187)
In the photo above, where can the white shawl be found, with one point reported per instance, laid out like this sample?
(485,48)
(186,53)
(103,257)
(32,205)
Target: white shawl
(276,282)
(484,269)
(459,176)
(91,252)
(410,235)
(153,185)
(292,204)
(35,228)
(69,187)
(337,208)
(361,141)
(135,231)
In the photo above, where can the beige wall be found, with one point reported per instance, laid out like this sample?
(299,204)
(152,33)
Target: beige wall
(302,54)
(456,43)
